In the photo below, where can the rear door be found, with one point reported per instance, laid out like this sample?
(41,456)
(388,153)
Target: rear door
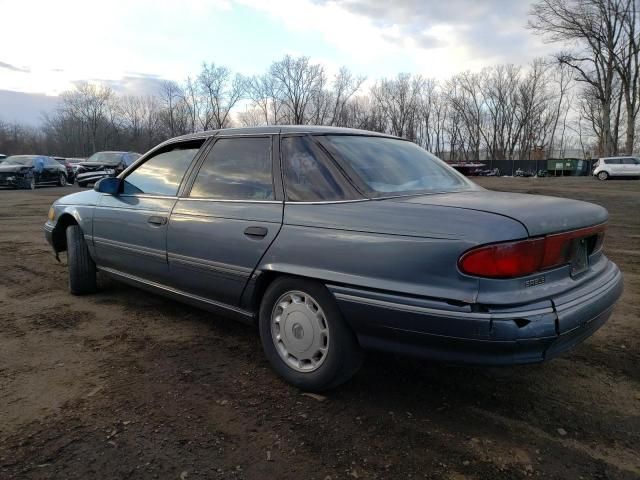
(630,167)
(130,228)
(226,219)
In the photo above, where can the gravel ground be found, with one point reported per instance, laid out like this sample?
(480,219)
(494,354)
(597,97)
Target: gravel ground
(125,384)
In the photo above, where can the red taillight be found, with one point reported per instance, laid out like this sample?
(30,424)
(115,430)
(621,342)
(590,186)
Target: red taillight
(521,258)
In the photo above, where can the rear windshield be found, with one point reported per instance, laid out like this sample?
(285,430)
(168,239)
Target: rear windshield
(388,166)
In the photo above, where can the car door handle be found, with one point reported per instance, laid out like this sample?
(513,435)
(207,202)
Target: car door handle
(256,232)
(157,220)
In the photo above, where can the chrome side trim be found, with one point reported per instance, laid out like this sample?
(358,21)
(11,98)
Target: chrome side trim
(328,202)
(441,313)
(152,252)
(175,291)
(210,265)
(130,209)
(147,195)
(220,200)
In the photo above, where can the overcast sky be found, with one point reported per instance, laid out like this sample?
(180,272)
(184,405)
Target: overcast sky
(132,45)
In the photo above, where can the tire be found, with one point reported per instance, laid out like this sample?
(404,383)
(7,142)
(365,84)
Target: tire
(320,319)
(30,183)
(603,176)
(82,269)
(62,180)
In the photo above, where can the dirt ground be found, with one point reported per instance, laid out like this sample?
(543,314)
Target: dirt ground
(125,384)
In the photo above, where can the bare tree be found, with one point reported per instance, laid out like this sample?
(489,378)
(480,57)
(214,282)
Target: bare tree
(298,81)
(597,28)
(221,91)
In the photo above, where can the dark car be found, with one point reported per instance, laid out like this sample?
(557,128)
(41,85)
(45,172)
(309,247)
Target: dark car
(28,171)
(334,240)
(69,168)
(2,157)
(103,164)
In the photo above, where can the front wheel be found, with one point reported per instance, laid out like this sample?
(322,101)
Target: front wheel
(304,336)
(603,176)
(82,269)
(29,183)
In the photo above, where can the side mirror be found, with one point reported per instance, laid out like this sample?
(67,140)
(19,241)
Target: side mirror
(110,185)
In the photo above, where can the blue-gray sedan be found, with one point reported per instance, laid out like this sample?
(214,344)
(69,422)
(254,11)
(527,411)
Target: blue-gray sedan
(336,240)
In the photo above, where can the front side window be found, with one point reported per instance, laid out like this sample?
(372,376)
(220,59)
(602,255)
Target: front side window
(308,176)
(383,166)
(236,169)
(161,174)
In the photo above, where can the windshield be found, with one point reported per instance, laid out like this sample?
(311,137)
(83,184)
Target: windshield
(26,160)
(387,166)
(109,158)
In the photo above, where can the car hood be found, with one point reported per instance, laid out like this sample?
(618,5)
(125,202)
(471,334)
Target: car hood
(539,214)
(86,197)
(12,168)
(97,165)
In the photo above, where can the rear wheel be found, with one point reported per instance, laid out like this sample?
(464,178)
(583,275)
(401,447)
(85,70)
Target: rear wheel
(30,183)
(62,180)
(304,336)
(603,175)
(82,269)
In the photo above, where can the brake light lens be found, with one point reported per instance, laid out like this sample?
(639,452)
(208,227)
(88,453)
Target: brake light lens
(521,258)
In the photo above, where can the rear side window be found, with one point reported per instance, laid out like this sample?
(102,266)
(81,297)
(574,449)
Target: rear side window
(308,175)
(383,166)
(236,169)
(161,174)
(629,161)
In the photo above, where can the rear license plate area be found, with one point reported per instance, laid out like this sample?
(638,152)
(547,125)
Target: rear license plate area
(579,257)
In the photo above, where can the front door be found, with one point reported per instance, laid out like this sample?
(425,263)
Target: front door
(222,226)
(130,228)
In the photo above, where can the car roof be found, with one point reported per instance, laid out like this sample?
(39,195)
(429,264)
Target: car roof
(275,129)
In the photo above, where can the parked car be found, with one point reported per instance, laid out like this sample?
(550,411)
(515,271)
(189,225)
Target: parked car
(617,167)
(28,171)
(103,164)
(2,157)
(69,168)
(335,240)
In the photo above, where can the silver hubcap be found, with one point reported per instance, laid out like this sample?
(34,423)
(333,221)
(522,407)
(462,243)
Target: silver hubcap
(63,180)
(300,331)
(602,176)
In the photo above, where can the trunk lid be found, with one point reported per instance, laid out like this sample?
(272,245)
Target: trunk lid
(539,214)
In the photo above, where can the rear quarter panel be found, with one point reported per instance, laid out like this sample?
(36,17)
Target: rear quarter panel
(382,245)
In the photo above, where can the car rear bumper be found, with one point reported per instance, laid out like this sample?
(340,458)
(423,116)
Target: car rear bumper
(478,335)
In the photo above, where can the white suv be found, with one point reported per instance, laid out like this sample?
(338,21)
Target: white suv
(617,167)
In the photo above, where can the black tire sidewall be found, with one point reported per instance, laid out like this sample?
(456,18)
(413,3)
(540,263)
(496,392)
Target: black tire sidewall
(82,269)
(344,355)
(605,177)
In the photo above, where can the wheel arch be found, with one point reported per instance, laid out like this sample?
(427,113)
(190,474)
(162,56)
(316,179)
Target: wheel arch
(59,232)
(262,279)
